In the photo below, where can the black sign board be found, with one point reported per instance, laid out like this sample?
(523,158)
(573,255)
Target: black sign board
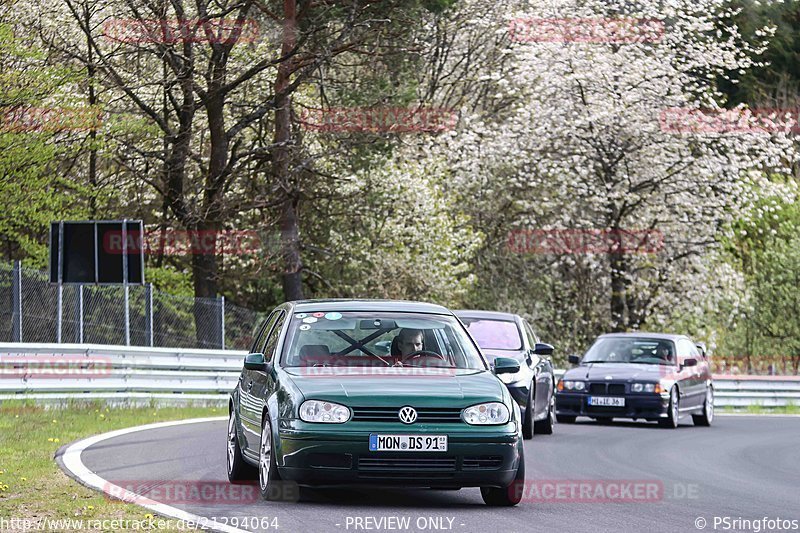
(97,252)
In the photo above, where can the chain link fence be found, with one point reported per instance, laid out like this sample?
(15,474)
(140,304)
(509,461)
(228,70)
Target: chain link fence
(31,310)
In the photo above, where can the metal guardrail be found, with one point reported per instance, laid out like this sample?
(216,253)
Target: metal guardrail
(63,372)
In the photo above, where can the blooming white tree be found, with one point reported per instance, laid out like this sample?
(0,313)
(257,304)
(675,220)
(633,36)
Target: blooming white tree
(593,142)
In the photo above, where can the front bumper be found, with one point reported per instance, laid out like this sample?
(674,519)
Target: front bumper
(647,406)
(474,459)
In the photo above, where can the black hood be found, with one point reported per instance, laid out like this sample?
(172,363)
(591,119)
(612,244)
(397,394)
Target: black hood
(619,372)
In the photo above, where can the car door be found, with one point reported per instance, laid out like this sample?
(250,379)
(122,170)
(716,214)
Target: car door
(542,373)
(690,383)
(249,413)
(263,381)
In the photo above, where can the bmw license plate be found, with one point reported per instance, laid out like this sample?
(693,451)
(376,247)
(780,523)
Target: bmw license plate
(606,401)
(407,443)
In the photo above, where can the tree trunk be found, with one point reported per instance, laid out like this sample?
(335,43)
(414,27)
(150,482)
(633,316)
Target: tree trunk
(281,158)
(618,282)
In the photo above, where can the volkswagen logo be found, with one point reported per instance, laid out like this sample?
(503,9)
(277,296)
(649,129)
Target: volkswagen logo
(408,415)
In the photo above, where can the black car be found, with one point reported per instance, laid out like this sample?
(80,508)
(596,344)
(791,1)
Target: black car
(510,335)
(647,376)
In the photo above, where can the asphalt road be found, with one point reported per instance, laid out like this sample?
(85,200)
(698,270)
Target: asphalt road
(742,467)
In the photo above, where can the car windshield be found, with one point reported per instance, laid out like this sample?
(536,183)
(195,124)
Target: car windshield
(494,334)
(375,338)
(631,350)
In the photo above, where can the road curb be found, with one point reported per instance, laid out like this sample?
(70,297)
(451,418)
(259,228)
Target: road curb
(68,458)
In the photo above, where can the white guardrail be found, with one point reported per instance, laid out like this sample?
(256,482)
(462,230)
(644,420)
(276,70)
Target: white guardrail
(63,372)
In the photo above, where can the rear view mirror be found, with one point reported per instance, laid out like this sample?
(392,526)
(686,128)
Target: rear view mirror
(543,349)
(689,362)
(506,365)
(255,361)
(574,359)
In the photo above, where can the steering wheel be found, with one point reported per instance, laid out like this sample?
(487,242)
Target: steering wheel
(422,353)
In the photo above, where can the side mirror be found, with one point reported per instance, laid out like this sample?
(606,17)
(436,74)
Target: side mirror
(255,361)
(689,362)
(506,365)
(574,359)
(543,349)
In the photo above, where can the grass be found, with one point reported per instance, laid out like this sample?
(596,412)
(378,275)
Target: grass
(790,409)
(33,487)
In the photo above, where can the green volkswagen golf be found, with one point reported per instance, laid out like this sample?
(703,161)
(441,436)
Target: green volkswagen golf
(372,392)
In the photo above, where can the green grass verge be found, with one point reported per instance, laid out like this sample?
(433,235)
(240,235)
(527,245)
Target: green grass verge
(32,486)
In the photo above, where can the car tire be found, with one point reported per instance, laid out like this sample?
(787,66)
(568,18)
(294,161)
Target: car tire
(239,470)
(527,418)
(545,427)
(269,479)
(511,495)
(707,416)
(671,422)
(565,419)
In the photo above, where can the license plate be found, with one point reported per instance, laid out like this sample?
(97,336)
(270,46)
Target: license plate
(606,401)
(408,443)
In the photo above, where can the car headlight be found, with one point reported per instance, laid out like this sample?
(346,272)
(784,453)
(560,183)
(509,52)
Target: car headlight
(324,412)
(571,385)
(646,387)
(486,413)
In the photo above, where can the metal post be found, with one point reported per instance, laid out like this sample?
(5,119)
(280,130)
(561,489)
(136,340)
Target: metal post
(222,320)
(16,287)
(80,313)
(148,313)
(125,281)
(60,279)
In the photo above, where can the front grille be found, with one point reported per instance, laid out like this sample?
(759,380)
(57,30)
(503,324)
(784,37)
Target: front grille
(426,415)
(616,389)
(613,389)
(482,461)
(407,464)
(597,388)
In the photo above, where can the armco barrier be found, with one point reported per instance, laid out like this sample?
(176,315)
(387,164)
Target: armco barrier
(62,372)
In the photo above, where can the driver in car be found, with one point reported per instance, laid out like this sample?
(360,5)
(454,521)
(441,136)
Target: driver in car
(407,342)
